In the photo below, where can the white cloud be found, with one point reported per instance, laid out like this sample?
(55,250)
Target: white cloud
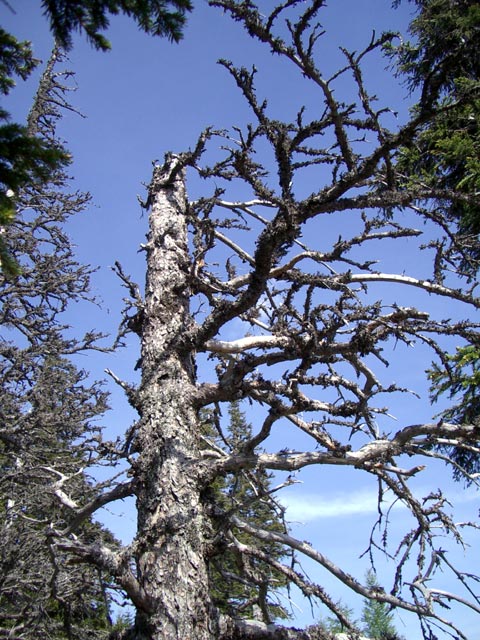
(305,508)
(308,507)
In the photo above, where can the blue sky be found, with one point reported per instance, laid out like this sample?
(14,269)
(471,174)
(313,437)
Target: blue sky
(147,97)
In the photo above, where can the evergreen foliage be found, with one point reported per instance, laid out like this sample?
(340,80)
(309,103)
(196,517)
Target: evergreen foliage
(376,616)
(156,17)
(444,49)
(48,413)
(376,620)
(334,625)
(443,63)
(459,379)
(244,586)
(24,159)
(16,59)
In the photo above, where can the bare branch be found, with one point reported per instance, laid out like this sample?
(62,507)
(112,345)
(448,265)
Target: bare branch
(115,563)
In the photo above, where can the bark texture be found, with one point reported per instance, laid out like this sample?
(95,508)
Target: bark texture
(170,553)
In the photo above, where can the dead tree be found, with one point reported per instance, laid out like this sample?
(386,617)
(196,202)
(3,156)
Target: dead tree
(312,340)
(49,409)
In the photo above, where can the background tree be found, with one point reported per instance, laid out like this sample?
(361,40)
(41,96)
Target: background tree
(376,617)
(315,337)
(376,620)
(25,160)
(332,625)
(49,410)
(443,63)
(241,587)
(459,378)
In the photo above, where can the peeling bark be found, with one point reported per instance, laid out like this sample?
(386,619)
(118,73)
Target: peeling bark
(170,543)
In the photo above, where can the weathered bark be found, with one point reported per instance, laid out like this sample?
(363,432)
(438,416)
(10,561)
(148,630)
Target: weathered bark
(170,542)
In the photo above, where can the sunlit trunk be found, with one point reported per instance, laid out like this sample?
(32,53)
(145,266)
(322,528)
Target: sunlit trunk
(170,542)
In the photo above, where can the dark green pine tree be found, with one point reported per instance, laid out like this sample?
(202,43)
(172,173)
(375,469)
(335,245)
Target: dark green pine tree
(48,413)
(25,159)
(458,377)
(377,618)
(443,64)
(164,18)
(244,585)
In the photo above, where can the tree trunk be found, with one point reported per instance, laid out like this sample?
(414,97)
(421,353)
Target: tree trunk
(170,543)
